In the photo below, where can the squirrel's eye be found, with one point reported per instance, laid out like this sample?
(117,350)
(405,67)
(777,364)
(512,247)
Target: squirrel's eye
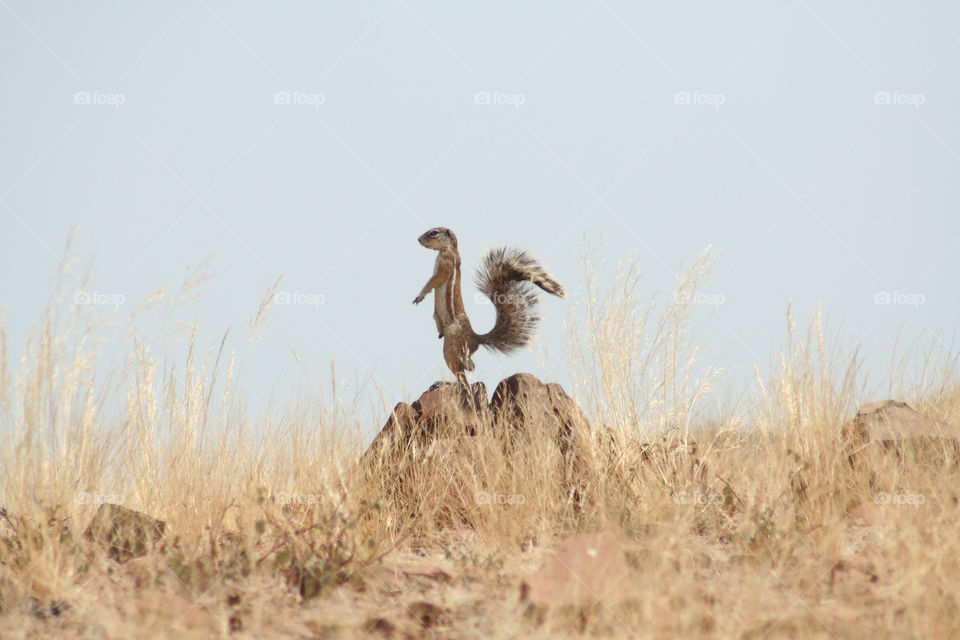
(434,234)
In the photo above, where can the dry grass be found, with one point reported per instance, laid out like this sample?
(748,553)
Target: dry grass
(753,525)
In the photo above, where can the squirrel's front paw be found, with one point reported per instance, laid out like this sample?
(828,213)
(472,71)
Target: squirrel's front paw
(418,300)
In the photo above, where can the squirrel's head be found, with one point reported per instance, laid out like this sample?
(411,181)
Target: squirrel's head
(438,238)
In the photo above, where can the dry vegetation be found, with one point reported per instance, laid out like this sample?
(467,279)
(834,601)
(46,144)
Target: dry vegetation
(763,529)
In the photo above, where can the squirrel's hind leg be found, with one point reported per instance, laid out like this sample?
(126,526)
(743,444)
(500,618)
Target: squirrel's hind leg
(456,353)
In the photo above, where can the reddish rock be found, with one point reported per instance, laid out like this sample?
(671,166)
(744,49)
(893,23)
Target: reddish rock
(588,569)
(447,405)
(522,399)
(572,435)
(443,410)
(394,436)
(565,409)
(464,451)
(448,420)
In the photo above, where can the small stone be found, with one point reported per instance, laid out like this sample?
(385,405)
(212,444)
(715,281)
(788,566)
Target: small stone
(426,613)
(126,533)
(588,569)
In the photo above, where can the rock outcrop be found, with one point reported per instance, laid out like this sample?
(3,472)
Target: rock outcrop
(449,418)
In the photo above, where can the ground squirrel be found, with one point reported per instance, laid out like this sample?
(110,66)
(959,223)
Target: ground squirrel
(504,276)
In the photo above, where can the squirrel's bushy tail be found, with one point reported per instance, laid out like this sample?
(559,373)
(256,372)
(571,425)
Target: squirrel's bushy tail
(506,277)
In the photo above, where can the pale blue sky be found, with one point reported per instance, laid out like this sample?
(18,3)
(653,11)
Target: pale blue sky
(815,145)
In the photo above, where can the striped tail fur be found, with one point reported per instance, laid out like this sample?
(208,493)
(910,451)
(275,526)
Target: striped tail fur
(506,276)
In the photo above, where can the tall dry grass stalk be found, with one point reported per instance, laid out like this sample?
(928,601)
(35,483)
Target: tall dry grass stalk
(635,369)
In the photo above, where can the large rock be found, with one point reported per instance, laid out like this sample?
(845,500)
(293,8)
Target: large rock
(448,418)
(446,403)
(124,532)
(522,399)
(394,438)
(443,410)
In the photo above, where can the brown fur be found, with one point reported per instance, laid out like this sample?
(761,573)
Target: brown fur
(505,276)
